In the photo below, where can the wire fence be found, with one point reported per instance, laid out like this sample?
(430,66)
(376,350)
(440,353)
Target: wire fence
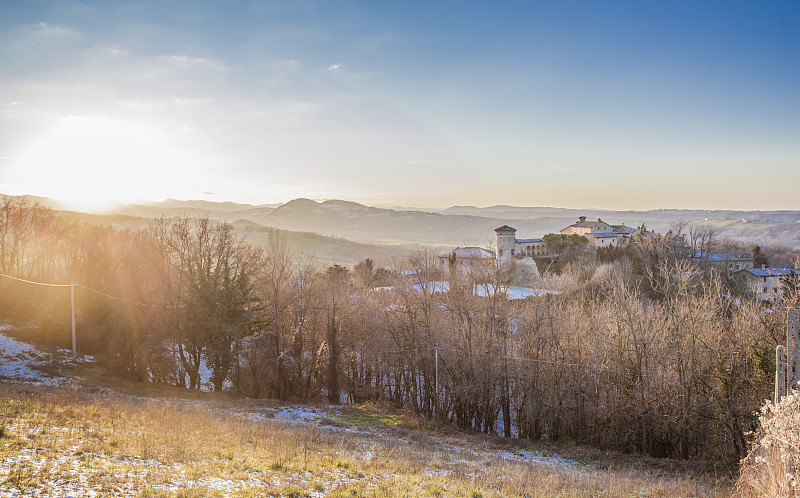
(76,284)
(35,283)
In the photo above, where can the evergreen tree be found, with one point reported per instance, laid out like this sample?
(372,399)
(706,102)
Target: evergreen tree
(759,258)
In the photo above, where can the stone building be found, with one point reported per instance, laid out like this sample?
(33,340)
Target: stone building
(721,262)
(466,259)
(766,283)
(600,233)
(508,246)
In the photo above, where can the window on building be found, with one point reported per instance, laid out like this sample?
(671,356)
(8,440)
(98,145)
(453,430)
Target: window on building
(512,252)
(765,290)
(501,252)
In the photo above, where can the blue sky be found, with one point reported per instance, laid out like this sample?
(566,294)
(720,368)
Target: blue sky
(627,105)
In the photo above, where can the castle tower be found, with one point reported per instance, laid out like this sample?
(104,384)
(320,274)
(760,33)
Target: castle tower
(506,238)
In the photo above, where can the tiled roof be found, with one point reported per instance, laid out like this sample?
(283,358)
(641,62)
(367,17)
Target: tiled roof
(721,256)
(772,272)
(622,229)
(585,224)
(528,241)
(604,235)
(470,253)
(505,228)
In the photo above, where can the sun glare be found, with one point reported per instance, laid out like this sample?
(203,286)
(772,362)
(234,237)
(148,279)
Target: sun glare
(93,161)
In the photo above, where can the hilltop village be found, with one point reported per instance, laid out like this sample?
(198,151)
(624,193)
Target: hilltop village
(740,271)
(509,248)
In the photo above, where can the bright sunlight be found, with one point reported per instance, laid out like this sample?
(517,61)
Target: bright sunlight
(90,161)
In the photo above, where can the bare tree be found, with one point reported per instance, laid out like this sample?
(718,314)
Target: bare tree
(276,273)
(702,239)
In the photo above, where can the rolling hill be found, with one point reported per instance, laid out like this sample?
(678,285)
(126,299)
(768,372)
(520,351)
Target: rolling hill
(347,232)
(468,225)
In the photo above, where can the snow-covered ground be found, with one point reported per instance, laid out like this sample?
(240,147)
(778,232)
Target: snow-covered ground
(18,360)
(485,290)
(290,414)
(536,458)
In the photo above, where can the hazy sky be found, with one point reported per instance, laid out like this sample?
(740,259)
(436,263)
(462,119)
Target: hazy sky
(564,103)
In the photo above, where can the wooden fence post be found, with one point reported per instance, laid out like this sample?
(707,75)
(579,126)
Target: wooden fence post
(787,366)
(793,354)
(780,374)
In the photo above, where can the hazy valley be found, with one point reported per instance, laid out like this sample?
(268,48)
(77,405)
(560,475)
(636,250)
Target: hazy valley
(470,225)
(348,232)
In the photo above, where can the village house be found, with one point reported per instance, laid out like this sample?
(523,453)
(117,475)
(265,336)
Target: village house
(508,246)
(766,283)
(600,233)
(723,262)
(466,259)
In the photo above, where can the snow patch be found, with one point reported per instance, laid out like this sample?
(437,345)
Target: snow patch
(535,458)
(487,290)
(17,359)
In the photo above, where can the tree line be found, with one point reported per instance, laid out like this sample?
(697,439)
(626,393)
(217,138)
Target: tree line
(644,353)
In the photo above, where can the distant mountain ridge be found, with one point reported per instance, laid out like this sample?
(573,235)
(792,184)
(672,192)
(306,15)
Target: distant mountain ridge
(517,212)
(470,225)
(463,225)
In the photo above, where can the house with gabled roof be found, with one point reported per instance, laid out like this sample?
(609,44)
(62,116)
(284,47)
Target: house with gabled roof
(600,233)
(766,284)
(465,259)
(721,261)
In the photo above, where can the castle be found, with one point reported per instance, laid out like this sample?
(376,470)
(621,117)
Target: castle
(599,233)
(508,246)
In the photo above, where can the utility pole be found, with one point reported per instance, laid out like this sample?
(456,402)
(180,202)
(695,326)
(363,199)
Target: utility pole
(436,404)
(72,302)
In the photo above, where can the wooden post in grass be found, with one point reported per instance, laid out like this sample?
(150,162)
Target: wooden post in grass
(780,374)
(436,400)
(72,303)
(793,354)
(787,365)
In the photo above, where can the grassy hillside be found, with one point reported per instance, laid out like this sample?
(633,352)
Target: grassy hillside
(329,249)
(56,440)
(764,231)
(324,250)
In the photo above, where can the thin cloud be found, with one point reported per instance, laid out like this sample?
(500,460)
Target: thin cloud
(333,67)
(45,29)
(186,61)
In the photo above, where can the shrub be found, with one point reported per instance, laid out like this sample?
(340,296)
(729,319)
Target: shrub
(772,468)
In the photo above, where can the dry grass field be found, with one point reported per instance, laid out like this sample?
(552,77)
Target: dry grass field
(79,441)
(73,429)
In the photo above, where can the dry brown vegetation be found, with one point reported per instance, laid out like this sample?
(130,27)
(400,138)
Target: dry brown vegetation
(644,355)
(58,441)
(772,468)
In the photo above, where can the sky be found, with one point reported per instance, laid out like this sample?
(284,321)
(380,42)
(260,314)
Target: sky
(613,104)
